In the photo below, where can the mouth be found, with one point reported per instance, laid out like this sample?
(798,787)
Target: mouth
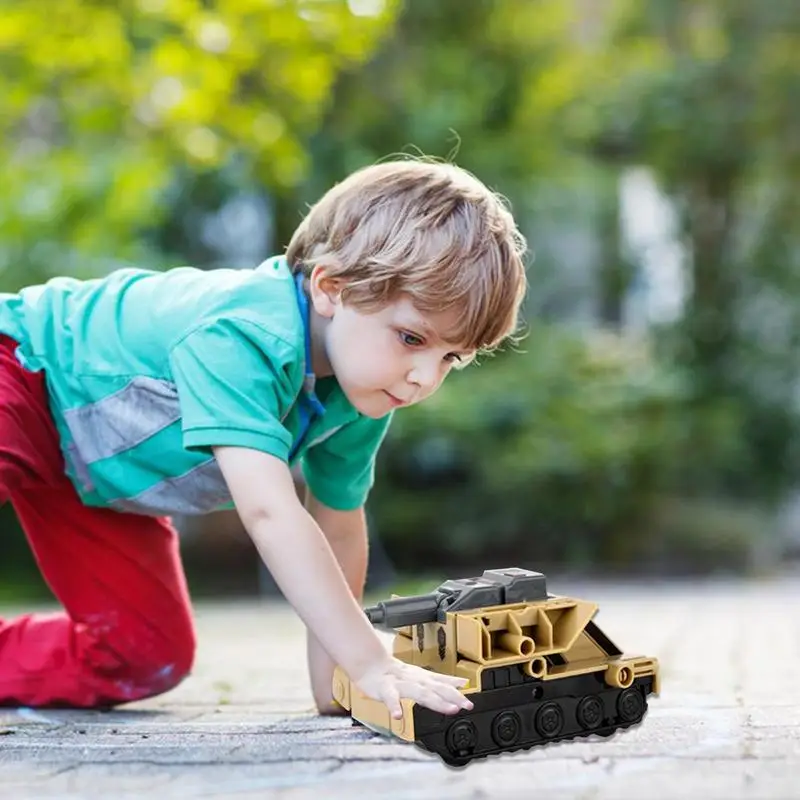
(395,401)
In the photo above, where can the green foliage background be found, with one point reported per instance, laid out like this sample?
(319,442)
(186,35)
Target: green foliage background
(124,125)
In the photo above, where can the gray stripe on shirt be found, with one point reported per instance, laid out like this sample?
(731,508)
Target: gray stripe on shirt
(124,419)
(198,491)
(79,467)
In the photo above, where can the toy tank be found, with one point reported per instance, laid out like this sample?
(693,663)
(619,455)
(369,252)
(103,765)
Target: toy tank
(539,669)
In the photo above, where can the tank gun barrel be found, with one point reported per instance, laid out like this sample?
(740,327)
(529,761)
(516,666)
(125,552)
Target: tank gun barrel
(401,611)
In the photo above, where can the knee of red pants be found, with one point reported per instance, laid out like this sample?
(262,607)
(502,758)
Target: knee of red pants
(133,663)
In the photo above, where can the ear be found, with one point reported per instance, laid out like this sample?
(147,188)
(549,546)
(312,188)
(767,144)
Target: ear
(324,291)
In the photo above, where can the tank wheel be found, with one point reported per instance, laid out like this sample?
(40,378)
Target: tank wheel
(631,704)
(590,712)
(506,728)
(461,739)
(549,720)
(457,763)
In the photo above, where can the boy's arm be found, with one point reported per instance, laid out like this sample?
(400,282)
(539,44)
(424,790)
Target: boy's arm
(346,532)
(303,565)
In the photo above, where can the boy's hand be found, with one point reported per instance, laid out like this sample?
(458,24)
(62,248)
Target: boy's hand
(391,680)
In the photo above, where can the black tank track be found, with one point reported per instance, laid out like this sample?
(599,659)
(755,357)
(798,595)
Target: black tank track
(520,712)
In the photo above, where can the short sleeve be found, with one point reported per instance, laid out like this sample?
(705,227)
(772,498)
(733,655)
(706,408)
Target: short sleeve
(234,385)
(340,471)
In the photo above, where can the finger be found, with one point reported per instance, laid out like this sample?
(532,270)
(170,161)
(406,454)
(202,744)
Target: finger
(451,699)
(391,698)
(427,696)
(450,692)
(451,695)
(452,680)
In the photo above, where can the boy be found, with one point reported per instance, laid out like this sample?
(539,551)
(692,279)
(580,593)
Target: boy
(143,394)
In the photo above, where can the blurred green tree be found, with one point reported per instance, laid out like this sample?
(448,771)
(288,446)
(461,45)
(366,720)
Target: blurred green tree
(483,83)
(103,105)
(705,93)
(478,79)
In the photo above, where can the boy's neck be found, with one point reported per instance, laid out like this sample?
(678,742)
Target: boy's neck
(320,365)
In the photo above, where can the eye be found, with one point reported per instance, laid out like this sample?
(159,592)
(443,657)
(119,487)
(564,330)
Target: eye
(410,339)
(453,358)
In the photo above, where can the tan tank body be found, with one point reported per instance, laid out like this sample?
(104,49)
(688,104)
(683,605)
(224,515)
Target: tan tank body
(539,668)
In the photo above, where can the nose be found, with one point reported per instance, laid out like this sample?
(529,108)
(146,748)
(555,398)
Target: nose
(426,373)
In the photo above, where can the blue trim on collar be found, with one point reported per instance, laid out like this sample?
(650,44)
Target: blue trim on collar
(309,379)
(308,404)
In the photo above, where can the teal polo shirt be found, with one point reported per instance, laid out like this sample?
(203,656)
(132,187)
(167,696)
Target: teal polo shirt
(147,371)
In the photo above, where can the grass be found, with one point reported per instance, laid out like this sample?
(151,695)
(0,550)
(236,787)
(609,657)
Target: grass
(20,590)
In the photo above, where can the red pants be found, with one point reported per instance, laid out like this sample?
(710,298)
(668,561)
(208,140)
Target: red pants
(126,631)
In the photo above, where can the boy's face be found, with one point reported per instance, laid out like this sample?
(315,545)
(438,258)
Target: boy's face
(386,359)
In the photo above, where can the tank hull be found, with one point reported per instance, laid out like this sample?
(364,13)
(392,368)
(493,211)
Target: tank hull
(538,668)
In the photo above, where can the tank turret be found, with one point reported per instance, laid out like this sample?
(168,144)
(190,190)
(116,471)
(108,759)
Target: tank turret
(539,669)
(496,587)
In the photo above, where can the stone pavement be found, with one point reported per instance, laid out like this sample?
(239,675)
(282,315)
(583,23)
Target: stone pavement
(726,726)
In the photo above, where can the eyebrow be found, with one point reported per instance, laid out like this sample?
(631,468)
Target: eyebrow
(428,330)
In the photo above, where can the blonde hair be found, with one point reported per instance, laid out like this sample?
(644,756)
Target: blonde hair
(428,230)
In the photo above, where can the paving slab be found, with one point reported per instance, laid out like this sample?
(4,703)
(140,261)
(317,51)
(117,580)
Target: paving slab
(727,724)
